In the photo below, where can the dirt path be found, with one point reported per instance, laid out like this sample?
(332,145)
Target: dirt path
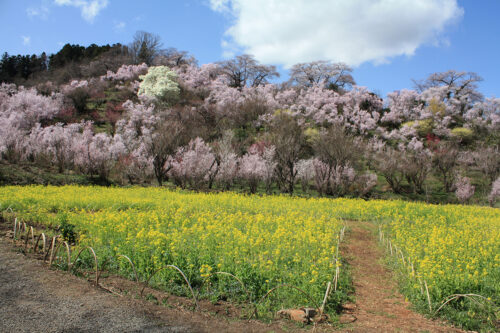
(34,298)
(379,306)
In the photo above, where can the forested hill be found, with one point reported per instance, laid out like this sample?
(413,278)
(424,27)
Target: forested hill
(66,64)
(142,114)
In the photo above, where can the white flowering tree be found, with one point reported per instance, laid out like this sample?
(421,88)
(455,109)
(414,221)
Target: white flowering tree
(160,85)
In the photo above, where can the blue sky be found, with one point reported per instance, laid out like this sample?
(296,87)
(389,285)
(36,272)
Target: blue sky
(388,42)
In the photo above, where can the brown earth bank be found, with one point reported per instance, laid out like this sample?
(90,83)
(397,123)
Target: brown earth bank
(379,307)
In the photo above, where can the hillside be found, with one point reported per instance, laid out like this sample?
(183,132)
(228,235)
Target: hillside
(99,114)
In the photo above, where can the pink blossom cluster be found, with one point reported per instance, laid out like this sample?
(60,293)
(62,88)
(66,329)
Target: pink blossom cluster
(257,166)
(57,141)
(408,121)
(73,85)
(464,190)
(96,153)
(126,73)
(337,180)
(25,107)
(194,165)
(199,79)
(440,108)
(495,192)
(21,110)
(485,114)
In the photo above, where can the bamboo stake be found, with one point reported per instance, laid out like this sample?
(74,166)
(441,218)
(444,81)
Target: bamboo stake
(328,287)
(15,230)
(428,296)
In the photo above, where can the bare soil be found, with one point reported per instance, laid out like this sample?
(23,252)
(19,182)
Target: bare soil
(379,307)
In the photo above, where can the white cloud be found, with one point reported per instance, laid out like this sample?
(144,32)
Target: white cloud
(42,12)
(119,26)
(26,40)
(229,49)
(89,8)
(220,5)
(352,31)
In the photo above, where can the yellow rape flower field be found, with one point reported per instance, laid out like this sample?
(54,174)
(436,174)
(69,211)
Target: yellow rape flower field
(267,241)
